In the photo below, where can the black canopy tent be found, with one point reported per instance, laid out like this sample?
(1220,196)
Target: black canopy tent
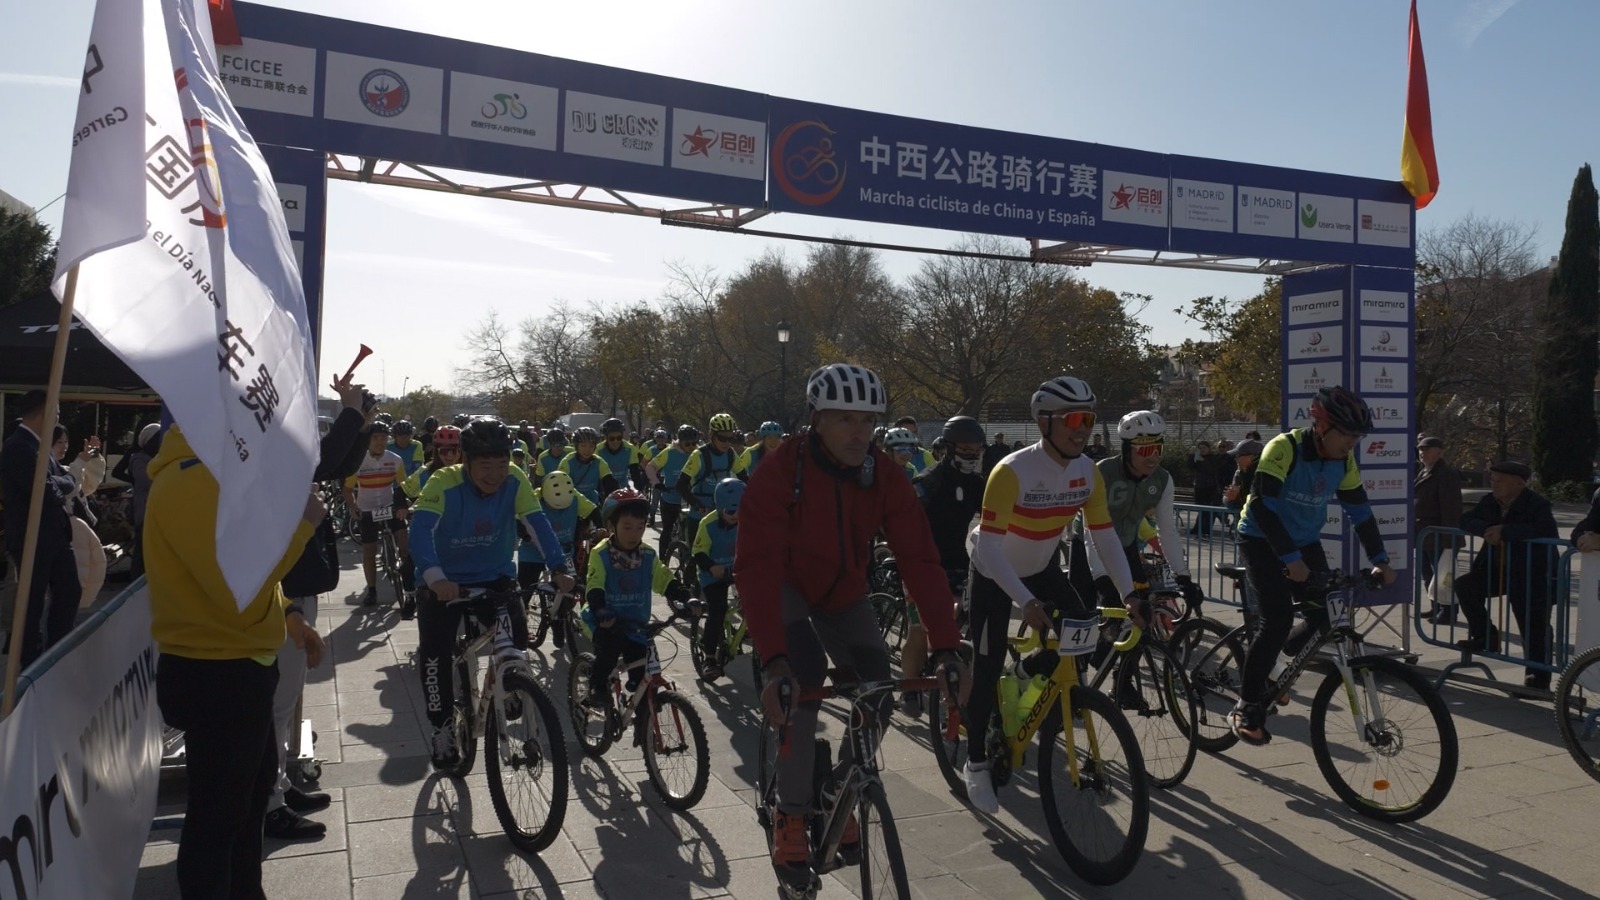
(28,337)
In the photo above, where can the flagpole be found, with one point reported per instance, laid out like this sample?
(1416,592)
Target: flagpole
(30,544)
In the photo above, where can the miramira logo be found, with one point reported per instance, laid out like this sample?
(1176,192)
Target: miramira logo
(1308,216)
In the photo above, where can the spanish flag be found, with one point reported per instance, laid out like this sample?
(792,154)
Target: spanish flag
(1418,169)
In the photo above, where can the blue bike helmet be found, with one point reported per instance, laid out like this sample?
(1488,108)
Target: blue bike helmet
(728,494)
(770,429)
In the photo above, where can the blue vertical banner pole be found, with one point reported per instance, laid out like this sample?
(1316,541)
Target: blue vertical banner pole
(1318,352)
(302,183)
(1382,322)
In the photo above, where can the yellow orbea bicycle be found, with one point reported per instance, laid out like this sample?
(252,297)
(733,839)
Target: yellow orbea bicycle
(1091,774)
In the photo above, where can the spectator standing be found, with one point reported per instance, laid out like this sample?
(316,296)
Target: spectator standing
(1207,490)
(54,592)
(1509,516)
(1438,493)
(1097,448)
(217,672)
(994,453)
(1244,474)
(315,572)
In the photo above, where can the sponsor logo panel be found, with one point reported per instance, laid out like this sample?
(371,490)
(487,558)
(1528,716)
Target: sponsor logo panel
(1393,518)
(1307,309)
(1202,205)
(1383,449)
(505,112)
(1385,306)
(293,198)
(1390,413)
(1384,224)
(1322,342)
(1386,484)
(271,76)
(1324,218)
(1266,212)
(1385,340)
(718,145)
(383,93)
(1309,378)
(1384,378)
(1134,199)
(613,128)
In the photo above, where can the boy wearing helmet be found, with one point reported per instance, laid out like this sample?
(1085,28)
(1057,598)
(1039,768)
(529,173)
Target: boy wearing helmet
(705,469)
(590,474)
(623,458)
(1136,485)
(623,576)
(572,516)
(713,553)
(403,445)
(669,465)
(1280,536)
(807,523)
(555,441)
(768,437)
(1031,498)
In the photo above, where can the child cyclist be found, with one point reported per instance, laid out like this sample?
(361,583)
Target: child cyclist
(623,457)
(555,441)
(590,474)
(572,516)
(713,552)
(706,467)
(768,437)
(669,464)
(624,575)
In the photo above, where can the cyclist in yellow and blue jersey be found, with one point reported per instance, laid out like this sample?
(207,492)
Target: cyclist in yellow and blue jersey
(446,452)
(463,535)
(623,457)
(706,468)
(669,465)
(402,443)
(624,576)
(555,450)
(590,474)
(713,553)
(573,517)
(768,437)
(1029,501)
(921,457)
(901,445)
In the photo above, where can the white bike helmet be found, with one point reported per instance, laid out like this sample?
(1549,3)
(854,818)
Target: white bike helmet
(900,437)
(1060,394)
(847,387)
(1141,424)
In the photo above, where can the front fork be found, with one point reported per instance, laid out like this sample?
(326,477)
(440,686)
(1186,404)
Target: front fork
(1363,714)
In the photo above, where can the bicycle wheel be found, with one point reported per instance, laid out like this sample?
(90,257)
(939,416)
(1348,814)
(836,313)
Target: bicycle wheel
(596,726)
(680,560)
(950,745)
(1400,765)
(1212,657)
(539,616)
(1578,714)
(697,653)
(527,764)
(676,753)
(766,775)
(463,709)
(1098,820)
(883,863)
(1155,698)
(891,613)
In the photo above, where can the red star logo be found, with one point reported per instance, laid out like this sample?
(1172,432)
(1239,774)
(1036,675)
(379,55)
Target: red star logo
(1123,196)
(698,143)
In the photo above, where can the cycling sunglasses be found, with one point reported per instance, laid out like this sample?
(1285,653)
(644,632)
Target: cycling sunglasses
(1146,451)
(1075,419)
(724,436)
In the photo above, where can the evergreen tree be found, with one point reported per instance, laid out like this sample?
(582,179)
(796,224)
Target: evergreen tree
(27,257)
(1564,433)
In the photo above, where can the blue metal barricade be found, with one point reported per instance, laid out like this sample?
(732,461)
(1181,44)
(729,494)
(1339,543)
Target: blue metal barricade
(1524,588)
(1210,538)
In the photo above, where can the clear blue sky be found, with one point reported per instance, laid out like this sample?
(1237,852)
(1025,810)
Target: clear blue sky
(1313,85)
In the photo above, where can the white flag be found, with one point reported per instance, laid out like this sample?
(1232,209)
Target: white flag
(185,269)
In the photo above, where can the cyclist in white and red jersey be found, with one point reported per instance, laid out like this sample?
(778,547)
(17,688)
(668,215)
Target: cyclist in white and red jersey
(373,492)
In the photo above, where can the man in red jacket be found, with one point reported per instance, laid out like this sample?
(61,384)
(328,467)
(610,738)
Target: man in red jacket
(805,537)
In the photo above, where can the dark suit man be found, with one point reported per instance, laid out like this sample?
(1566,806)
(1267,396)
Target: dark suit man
(1438,493)
(54,594)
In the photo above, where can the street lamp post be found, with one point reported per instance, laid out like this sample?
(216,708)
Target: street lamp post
(403,382)
(783,372)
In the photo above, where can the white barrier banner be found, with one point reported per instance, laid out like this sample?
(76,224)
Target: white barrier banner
(1588,602)
(81,755)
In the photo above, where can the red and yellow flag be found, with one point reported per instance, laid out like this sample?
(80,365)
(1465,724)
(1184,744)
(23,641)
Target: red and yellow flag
(1418,169)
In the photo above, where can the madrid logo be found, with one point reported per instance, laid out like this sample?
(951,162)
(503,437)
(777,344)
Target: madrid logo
(384,93)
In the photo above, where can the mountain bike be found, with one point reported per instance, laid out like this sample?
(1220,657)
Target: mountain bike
(680,553)
(677,755)
(1092,779)
(1578,713)
(853,786)
(1381,734)
(526,749)
(388,552)
(545,617)
(734,638)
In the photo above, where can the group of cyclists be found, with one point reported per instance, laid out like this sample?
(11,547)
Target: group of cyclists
(791,521)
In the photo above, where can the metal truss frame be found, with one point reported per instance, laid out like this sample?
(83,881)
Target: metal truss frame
(736,219)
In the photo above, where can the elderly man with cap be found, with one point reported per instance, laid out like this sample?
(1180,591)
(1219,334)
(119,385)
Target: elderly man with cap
(1438,493)
(1507,518)
(1244,474)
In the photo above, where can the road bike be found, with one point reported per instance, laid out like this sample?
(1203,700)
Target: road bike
(1092,779)
(853,787)
(677,755)
(1154,695)
(1578,713)
(1381,734)
(525,748)
(389,567)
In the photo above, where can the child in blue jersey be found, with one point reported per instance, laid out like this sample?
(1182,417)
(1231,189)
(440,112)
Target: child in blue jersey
(590,474)
(572,516)
(623,457)
(669,465)
(705,469)
(555,450)
(624,576)
(768,438)
(713,551)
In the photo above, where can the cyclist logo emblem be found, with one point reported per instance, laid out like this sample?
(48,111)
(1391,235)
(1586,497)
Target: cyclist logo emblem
(504,105)
(384,93)
(805,165)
